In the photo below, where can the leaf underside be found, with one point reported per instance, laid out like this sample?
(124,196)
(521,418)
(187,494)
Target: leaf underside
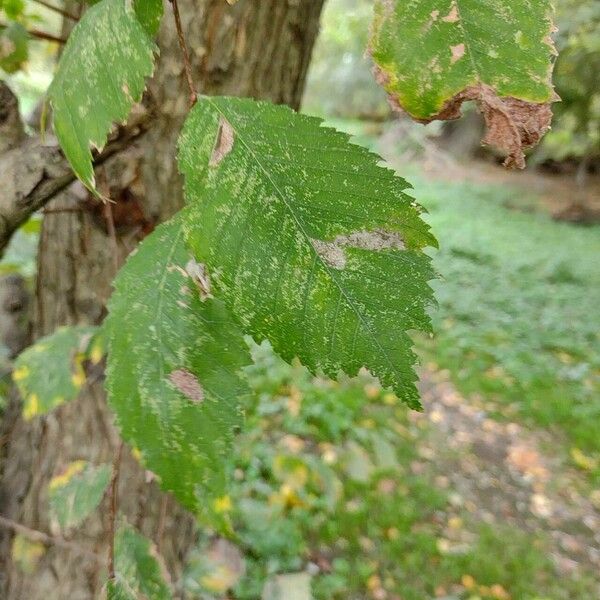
(100,76)
(432,55)
(173,365)
(309,241)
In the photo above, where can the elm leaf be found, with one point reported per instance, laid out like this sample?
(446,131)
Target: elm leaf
(311,243)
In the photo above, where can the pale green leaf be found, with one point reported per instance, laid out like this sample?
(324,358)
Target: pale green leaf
(288,586)
(51,371)
(139,570)
(100,76)
(173,365)
(76,492)
(432,55)
(309,241)
(13,47)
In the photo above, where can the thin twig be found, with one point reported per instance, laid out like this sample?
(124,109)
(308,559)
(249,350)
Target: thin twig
(58,10)
(48,540)
(112,514)
(41,35)
(65,209)
(186,55)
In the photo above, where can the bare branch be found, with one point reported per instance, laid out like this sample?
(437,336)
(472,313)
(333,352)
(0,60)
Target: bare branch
(48,540)
(114,505)
(33,172)
(57,10)
(186,55)
(41,35)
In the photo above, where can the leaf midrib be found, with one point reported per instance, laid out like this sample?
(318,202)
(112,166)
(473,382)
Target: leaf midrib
(366,325)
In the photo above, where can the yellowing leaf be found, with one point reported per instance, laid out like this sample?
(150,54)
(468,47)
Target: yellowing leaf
(72,469)
(75,493)
(51,371)
(26,553)
(583,461)
(222,504)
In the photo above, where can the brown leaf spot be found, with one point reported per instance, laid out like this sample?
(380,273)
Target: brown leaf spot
(512,124)
(187,384)
(452,16)
(333,253)
(199,273)
(223,142)
(457,51)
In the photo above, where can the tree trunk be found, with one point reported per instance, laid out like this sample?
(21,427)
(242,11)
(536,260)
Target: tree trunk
(258,48)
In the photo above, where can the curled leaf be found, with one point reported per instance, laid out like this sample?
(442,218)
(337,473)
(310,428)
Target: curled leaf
(433,55)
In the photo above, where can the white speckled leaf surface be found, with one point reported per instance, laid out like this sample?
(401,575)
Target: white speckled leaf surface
(173,365)
(100,76)
(309,241)
(430,50)
(140,572)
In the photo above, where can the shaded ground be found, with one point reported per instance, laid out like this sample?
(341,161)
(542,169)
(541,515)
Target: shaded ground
(553,192)
(502,473)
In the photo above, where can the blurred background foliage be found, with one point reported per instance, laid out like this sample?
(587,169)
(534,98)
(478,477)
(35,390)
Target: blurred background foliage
(336,481)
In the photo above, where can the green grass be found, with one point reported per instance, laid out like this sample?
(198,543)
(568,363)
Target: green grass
(324,476)
(519,307)
(519,304)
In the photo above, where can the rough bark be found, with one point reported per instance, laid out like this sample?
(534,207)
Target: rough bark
(258,48)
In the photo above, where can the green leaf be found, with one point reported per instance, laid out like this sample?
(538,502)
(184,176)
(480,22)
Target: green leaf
(51,371)
(309,241)
(100,76)
(13,47)
(149,13)
(76,492)
(13,9)
(139,570)
(432,55)
(173,367)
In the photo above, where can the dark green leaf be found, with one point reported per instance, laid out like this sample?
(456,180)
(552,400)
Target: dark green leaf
(149,13)
(173,369)
(309,241)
